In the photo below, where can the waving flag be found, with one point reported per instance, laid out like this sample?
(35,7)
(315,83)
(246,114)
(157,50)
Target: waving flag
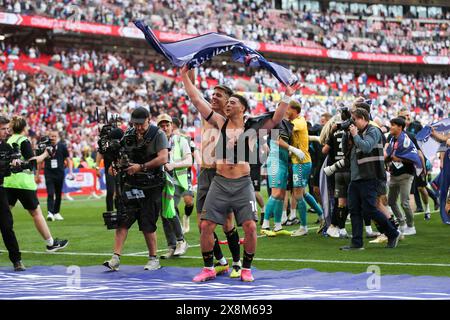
(427,143)
(444,184)
(404,148)
(197,50)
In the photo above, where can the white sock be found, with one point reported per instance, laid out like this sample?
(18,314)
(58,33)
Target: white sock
(223,261)
(277,226)
(238,263)
(284,216)
(49,241)
(263,209)
(427,208)
(369,229)
(293,214)
(266,224)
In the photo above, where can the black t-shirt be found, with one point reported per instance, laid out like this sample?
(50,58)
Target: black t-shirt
(26,150)
(54,166)
(336,151)
(4,147)
(414,128)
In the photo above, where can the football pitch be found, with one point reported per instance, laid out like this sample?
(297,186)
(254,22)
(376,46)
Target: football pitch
(90,244)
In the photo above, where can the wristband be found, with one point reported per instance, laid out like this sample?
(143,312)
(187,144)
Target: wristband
(142,167)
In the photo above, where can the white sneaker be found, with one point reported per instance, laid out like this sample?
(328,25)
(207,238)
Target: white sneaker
(68,197)
(186,224)
(95,196)
(181,248)
(333,231)
(302,231)
(343,234)
(113,264)
(50,217)
(409,231)
(402,228)
(58,217)
(373,234)
(152,264)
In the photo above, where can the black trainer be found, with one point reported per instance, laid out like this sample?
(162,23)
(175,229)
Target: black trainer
(393,242)
(351,248)
(18,266)
(58,244)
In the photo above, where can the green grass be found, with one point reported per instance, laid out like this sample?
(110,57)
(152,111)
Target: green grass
(83,226)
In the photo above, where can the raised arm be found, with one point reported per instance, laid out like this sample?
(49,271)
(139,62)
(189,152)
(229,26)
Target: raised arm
(282,108)
(439,136)
(197,99)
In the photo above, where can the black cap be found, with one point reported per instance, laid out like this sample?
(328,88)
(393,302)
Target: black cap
(139,115)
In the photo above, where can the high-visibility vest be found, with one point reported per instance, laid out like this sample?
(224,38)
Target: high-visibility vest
(167,200)
(22,180)
(181,174)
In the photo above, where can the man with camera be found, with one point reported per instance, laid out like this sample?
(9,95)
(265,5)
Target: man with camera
(139,196)
(6,219)
(54,175)
(180,158)
(366,166)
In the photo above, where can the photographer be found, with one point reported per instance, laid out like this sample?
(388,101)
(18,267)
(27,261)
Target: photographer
(54,175)
(6,219)
(22,186)
(147,149)
(366,166)
(108,132)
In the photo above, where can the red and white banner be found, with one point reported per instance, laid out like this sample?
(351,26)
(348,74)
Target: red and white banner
(84,182)
(133,32)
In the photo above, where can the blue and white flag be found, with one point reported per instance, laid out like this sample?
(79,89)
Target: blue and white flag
(197,50)
(444,185)
(404,148)
(427,143)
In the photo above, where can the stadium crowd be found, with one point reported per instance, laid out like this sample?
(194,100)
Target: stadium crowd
(91,79)
(257,20)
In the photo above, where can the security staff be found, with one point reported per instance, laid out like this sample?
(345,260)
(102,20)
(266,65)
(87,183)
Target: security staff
(54,176)
(147,149)
(22,186)
(6,219)
(180,159)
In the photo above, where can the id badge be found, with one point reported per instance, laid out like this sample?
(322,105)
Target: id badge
(54,163)
(135,194)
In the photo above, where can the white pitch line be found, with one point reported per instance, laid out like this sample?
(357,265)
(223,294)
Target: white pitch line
(259,259)
(342,262)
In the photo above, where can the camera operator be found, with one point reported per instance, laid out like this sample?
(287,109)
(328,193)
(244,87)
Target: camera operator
(54,175)
(6,219)
(147,148)
(22,186)
(366,166)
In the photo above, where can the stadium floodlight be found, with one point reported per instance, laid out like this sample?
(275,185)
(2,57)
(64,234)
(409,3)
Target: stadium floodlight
(2,37)
(41,40)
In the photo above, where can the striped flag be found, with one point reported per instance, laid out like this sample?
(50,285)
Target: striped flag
(197,50)
(427,143)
